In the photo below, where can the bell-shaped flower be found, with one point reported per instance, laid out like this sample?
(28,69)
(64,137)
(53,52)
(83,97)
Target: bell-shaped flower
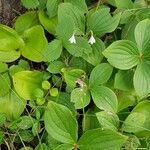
(92,40)
(72,39)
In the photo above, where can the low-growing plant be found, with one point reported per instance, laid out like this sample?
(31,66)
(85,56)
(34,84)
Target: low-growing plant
(75,74)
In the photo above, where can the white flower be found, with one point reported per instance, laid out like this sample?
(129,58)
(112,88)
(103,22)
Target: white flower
(72,39)
(92,40)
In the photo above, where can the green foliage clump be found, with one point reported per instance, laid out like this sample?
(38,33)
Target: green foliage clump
(76,75)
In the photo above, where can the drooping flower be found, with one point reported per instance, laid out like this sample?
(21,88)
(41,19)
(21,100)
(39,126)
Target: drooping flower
(72,39)
(92,39)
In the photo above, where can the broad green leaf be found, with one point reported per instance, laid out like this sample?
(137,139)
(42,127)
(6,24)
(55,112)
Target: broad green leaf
(30,4)
(14,69)
(79,49)
(143,108)
(9,56)
(64,99)
(25,122)
(108,120)
(10,44)
(25,82)
(142,80)
(100,74)
(95,56)
(49,24)
(65,28)
(53,51)
(98,139)
(124,80)
(77,17)
(71,76)
(26,135)
(132,143)
(35,44)
(55,67)
(80,4)
(52,143)
(142,38)
(127,4)
(80,97)
(90,120)
(2,119)
(101,22)
(12,105)
(125,100)
(3,67)
(26,21)
(104,98)
(122,54)
(42,146)
(60,123)
(26,148)
(64,147)
(5,84)
(52,7)
(134,122)
(9,39)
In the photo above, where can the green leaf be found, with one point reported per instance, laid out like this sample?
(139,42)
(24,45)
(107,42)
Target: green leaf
(95,56)
(26,21)
(25,122)
(25,82)
(100,74)
(108,120)
(52,7)
(3,67)
(26,135)
(5,84)
(127,4)
(98,139)
(72,11)
(122,54)
(26,148)
(80,97)
(101,22)
(80,4)
(142,38)
(104,98)
(64,147)
(2,120)
(30,4)
(134,122)
(76,22)
(64,28)
(52,143)
(79,49)
(53,50)
(10,44)
(143,108)
(12,105)
(125,100)
(60,123)
(90,120)
(35,44)
(42,146)
(123,80)
(142,80)
(55,67)
(49,24)
(71,76)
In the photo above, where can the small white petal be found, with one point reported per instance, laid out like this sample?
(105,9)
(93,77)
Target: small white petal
(72,39)
(92,40)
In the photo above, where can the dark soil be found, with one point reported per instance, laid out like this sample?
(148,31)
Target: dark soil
(9,9)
